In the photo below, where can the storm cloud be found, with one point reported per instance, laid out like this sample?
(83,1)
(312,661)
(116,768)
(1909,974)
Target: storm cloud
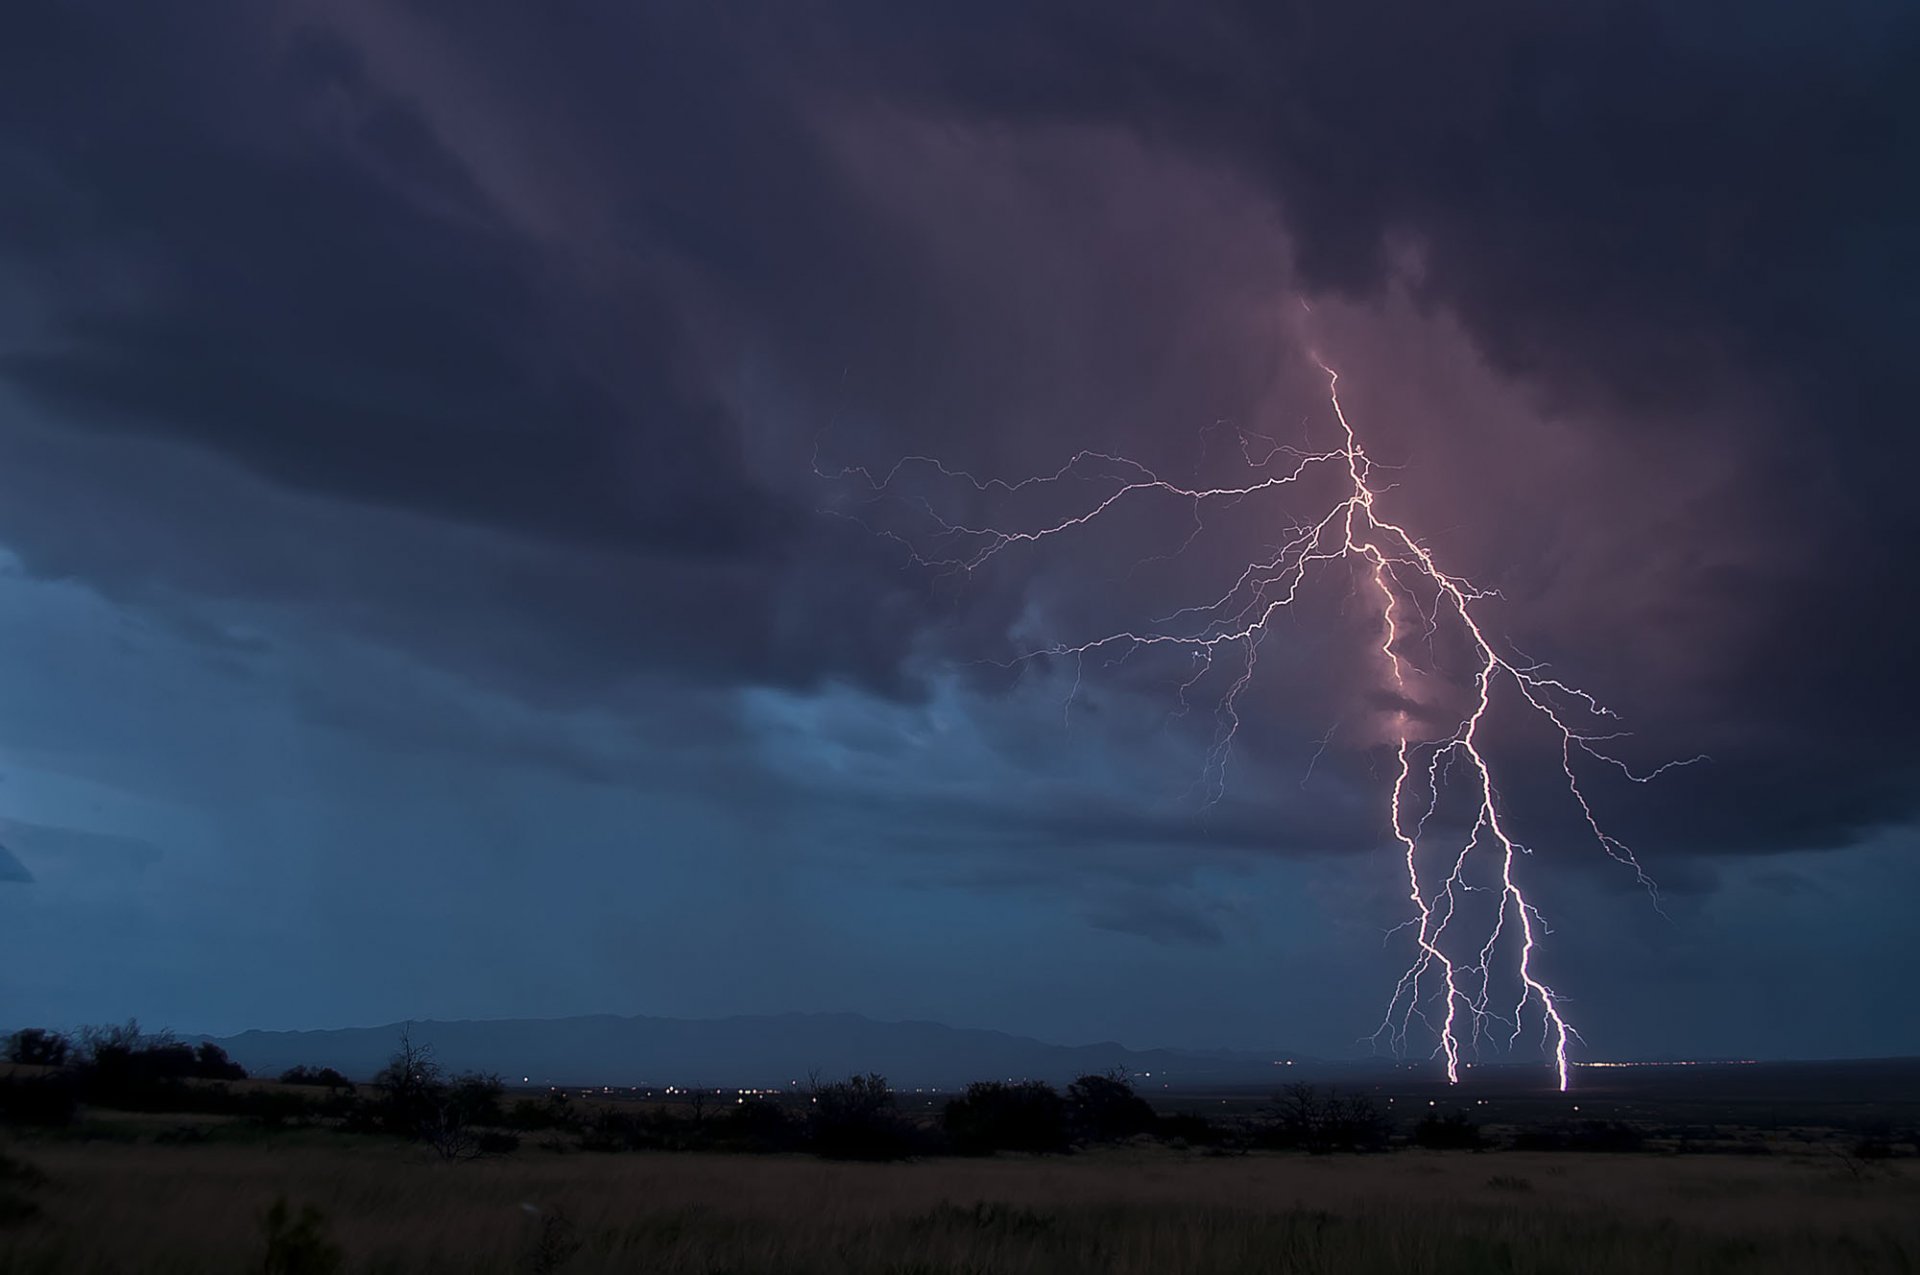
(468,383)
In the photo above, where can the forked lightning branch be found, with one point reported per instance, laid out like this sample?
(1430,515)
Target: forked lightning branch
(1471,972)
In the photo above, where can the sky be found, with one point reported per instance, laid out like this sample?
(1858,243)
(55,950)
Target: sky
(433,583)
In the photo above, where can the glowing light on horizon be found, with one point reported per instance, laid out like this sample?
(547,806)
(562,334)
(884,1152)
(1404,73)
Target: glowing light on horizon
(1447,987)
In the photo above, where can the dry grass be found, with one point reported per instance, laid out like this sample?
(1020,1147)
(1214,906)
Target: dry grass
(147,1208)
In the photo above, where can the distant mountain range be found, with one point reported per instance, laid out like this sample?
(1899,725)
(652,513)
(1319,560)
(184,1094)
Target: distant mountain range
(760,1052)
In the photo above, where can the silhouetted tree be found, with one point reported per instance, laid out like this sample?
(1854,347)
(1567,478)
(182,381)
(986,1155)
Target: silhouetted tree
(417,1101)
(555,1111)
(1309,1121)
(121,1065)
(757,1125)
(38,1047)
(1106,1109)
(107,1055)
(412,1090)
(210,1062)
(855,1119)
(326,1077)
(475,1098)
(992,1116)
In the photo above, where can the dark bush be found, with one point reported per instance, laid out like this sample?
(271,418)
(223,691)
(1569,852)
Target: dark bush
(475,1098)
(119,1066)
(751,1125)
(210,1062)
(1304,1119)
(298,1244)
(554,1243)
(272,1109)
(1448,1133)
(609,1129)
(324,1076)
(855,1119)
(758,1125)
(412,1092)
(1106,1109)
(555,1111)
(38,1047)
(1192,1129)
(416,1101)
(1028,1116)
(497,1142)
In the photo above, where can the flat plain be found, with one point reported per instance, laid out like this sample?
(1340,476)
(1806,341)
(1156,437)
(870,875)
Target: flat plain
(1802,1168)
(116,1205)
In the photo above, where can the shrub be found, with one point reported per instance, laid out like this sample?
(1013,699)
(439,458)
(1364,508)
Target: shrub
(855,1119)
(555,1111)
(610,1130)
(270,1108)
(298,1245)
(324,1076)
(758,1125)
(555,1241)
(1029,1116)
(210,1062)
(1306,1120)
(1189,1129)
(1106,1109)
(475,1098)
(38,1047)
(120,1066)
(412,1091)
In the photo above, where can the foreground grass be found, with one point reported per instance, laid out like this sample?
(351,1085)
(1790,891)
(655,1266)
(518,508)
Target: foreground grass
(106,1206)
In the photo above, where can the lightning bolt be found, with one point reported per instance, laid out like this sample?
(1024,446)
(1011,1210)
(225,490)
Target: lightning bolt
(1449,986)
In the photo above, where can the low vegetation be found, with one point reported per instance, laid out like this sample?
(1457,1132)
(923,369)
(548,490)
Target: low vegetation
(320,1204)
(136,1152)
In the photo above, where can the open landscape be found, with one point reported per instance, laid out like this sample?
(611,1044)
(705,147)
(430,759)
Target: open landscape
(1757,1167)
(959,637)
(135,1206)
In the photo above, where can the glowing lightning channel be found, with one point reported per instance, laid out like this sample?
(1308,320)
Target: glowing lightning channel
(1451,994)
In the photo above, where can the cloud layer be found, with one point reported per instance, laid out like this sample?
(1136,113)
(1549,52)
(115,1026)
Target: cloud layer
(463,377)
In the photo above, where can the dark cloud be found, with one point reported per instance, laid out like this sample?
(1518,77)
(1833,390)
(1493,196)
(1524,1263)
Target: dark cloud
(1159,919)
(1692,220)
(506,340)
(339,335)
(1632,199)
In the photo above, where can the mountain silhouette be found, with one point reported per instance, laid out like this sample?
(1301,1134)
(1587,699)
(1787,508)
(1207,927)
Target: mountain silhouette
(761,1051)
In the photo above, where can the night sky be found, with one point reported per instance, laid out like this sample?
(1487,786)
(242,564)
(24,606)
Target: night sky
(424,590)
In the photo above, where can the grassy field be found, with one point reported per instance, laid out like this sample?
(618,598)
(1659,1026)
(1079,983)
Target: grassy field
(117,1205)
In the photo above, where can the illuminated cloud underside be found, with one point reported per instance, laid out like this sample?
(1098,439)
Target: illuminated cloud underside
(1449,986)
